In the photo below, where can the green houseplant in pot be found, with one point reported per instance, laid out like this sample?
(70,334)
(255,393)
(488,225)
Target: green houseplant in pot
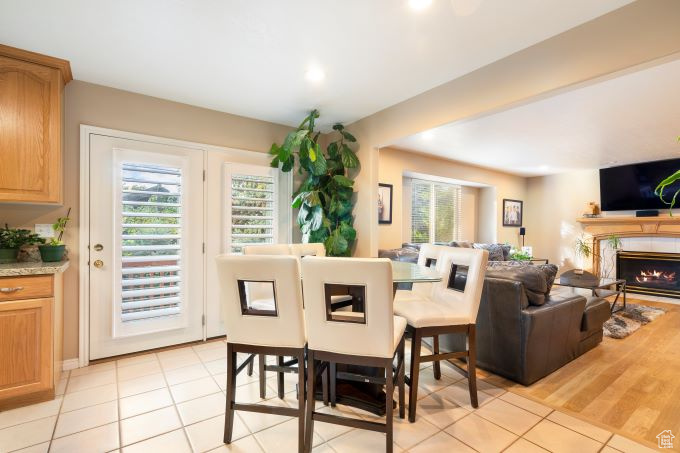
(54,249)
(324,198)
(12,239)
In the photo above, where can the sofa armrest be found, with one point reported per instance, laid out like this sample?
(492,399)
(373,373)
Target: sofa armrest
(550,335)
(597,311)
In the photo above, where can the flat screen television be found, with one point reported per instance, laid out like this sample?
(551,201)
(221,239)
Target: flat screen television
(631,187)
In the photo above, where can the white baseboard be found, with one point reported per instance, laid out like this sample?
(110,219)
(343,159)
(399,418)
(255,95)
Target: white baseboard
(70,364)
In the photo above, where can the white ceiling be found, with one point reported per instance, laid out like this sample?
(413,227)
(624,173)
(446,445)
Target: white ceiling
(250,57)
(631,118)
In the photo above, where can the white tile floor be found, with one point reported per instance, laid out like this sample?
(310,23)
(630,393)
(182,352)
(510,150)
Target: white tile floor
(173,401)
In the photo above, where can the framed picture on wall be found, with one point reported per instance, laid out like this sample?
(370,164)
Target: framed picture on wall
(385,203)
(512,213)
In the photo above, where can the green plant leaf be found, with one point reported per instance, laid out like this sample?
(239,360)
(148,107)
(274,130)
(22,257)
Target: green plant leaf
(275,162)
(316,218)
(312,154)
(333,150)
(349,137)
(343,180)
(338,127)
(312,198)
(336,244)
(319,166)
(349,159)
(288,165)
(274,150)
(348,231)
(298,199)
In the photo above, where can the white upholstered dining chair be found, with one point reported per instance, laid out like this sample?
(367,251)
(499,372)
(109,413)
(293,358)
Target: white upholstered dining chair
(275,330)
(370,338)
(451,307)
(260,295)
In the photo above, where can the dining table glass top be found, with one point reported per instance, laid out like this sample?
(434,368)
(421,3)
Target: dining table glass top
(403,272)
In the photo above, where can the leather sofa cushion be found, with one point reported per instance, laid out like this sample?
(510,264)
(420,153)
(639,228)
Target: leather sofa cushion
(597,311)
(533,279)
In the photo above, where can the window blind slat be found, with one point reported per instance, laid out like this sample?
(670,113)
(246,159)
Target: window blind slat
(435,211)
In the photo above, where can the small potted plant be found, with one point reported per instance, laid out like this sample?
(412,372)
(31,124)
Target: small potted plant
(12,239)
(583,249)
(54,249)
(520,255)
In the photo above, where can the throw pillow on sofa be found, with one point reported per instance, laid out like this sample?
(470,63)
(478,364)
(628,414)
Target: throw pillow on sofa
(550,272)
(495,250)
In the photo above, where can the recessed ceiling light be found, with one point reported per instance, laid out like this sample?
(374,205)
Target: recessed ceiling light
(419,5)
(427,135)
(315,74)
(544,168)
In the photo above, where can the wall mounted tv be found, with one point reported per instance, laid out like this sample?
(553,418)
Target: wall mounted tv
(631,187)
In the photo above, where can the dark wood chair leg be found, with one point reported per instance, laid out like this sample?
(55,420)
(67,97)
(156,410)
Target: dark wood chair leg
(261,358)
(231,394)
(301,402)
(331,378)
(415,370)
(472,365)
(324,385)
(389,400)
(251,364)
(400,379)
(279,377)
(435,366)
(311,401)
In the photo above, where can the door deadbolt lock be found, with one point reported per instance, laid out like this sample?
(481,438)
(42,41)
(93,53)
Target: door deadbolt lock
(98,264)
(98,247)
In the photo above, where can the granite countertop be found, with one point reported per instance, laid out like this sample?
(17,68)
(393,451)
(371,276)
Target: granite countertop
(39,268)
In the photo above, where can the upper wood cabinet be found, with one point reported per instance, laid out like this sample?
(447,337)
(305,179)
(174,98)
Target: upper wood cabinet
(31,106)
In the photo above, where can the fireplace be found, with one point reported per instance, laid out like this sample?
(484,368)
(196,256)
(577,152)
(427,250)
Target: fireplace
(653,273)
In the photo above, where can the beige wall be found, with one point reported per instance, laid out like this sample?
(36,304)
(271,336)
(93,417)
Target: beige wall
(107,107)
(481,207)
(555,202)
(596,49)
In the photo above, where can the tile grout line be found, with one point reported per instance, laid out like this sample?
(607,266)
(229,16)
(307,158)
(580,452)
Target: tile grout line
(119,421)
(174,403)
(63,397)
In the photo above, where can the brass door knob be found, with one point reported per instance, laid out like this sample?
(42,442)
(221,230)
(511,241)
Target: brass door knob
(98,264)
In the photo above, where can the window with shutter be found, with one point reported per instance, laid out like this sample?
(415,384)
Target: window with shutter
(251,194)
(435,211)
(151,198)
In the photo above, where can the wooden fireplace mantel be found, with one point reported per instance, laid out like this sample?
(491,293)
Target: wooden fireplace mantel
(601,228)
(631,226)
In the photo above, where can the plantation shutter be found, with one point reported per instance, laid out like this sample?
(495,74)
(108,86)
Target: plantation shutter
(435,211)
(421,204)
(251,197)
(151,199)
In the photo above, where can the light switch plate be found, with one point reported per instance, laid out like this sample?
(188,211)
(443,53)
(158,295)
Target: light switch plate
(44,230)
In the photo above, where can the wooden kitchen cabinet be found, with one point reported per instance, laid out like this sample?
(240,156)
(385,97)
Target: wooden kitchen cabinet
(30,338)
(31,108)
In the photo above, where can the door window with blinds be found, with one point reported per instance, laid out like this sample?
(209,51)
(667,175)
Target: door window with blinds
(151,225)
(435,211)
(251,206)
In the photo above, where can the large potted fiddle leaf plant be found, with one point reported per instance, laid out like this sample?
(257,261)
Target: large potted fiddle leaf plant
(324,198)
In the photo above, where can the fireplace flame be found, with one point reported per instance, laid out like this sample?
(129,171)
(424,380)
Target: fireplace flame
(655,276)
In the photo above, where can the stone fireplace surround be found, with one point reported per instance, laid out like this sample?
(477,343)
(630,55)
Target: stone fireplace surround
(638,234)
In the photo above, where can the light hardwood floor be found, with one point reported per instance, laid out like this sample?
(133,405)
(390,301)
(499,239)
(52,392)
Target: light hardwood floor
(630,386)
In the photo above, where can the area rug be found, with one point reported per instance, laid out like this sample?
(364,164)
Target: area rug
(625,322)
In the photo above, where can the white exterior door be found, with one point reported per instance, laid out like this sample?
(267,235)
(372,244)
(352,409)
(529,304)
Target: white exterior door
(147,276)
